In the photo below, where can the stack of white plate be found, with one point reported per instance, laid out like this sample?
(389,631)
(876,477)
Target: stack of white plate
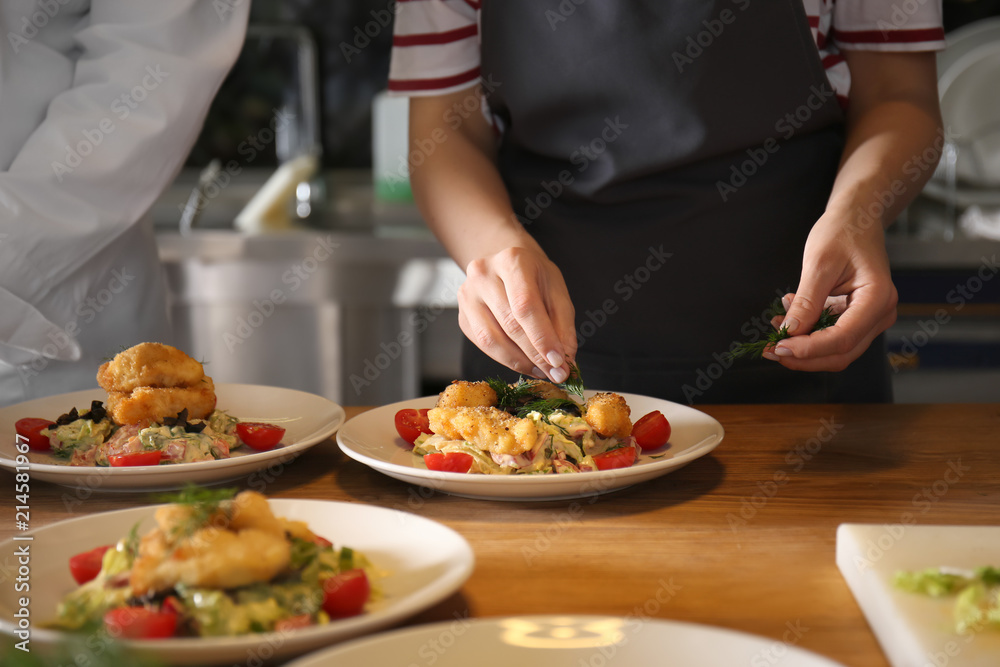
(969,89)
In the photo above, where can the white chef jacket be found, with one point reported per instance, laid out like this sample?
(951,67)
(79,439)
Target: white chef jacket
(100,102)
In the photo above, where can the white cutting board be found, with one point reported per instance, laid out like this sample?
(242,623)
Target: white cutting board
(917,630)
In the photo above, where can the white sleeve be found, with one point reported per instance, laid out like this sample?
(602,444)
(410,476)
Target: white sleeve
(108,145)
(435,47)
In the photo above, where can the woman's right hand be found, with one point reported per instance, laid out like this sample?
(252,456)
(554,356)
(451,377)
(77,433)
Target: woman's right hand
(515,307)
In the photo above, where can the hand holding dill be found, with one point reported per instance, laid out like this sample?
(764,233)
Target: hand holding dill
(755,349)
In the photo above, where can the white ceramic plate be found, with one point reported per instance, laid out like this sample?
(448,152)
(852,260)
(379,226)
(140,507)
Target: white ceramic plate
(307,418)
(425,562)
(565,641)
(371,438)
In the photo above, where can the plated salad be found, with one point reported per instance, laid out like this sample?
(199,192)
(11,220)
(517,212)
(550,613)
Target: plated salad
(161,408)
(93,438)
(217,564)
(529,427)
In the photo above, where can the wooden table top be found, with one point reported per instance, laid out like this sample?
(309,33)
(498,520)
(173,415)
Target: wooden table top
(742,538)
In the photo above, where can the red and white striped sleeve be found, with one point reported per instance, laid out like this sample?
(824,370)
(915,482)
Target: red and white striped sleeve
(869,25)
(900,25)
(435,47)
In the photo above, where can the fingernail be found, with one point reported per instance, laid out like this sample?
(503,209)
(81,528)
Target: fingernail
(559,374)
(783,351)
(786,303)
(554,358)
(791,324)
(537,372)
(769,355)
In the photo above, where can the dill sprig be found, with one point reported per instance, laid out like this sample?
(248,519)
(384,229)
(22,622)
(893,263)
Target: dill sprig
(510,396)
(755,349)
(526,395)
(203,503)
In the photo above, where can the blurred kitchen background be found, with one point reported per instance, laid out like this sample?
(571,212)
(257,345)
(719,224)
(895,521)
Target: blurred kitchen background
(329,281)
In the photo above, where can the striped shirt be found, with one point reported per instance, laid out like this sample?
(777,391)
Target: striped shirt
(435,47)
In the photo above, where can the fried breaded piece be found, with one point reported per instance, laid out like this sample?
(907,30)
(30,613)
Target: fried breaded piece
(149,365)
(609,415)
(149,405)
(487,428)
(462,394)
(238,547)
(546,390)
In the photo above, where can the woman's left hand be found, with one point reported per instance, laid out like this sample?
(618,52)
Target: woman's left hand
(844,266)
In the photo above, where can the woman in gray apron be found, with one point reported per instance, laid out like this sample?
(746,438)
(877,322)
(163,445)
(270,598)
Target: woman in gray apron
(671,159)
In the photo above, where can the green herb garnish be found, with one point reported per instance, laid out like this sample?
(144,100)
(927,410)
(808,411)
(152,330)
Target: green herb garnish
(755,350)
(203,503)
(525,396)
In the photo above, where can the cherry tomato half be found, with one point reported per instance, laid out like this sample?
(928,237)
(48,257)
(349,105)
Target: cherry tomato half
(345,594)
(136,459)
(259,436)
(140,623)
(448,461)
(652,431)
(87,565)
(623,457)
(31,428)
(410,423)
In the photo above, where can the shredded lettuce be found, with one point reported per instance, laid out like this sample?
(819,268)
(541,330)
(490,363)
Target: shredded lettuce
(977,594)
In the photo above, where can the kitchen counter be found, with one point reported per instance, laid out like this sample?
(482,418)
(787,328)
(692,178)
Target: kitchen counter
(743,538)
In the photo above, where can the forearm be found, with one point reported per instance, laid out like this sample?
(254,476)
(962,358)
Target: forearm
(457,186)
(894,138)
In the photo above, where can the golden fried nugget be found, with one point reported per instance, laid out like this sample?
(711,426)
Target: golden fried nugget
(487,428)
(148,405)
(245,545)
(609,415)
(149,365)
(462,394)
(546,390)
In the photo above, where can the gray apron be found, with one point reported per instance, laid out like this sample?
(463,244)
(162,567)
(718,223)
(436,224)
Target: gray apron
(670,157)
